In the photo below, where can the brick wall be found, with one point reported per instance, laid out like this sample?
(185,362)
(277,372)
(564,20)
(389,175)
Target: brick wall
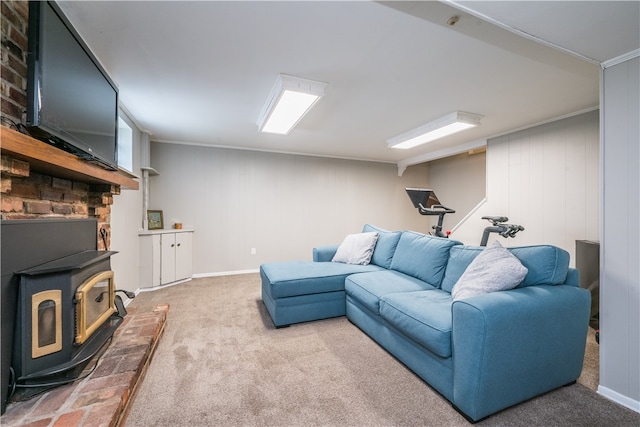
(24,193)
(15,18)
(30,195)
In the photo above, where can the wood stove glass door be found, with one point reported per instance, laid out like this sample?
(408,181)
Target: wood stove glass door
(95,303)
(46,323)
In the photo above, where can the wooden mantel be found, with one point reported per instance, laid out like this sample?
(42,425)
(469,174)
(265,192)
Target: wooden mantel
(49,160)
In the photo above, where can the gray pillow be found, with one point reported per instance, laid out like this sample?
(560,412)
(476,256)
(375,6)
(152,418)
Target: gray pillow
(356,249)
(494,269)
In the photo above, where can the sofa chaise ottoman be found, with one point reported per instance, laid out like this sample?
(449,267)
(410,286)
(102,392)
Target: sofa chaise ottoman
(301,291)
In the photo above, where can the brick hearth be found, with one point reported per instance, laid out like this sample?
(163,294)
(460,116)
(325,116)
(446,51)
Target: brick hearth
(102,399)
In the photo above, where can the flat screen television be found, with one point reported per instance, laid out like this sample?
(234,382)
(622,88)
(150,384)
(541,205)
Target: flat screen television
(72,103)
(422,197)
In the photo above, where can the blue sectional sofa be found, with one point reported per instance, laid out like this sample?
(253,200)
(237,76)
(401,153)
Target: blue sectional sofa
(483,353)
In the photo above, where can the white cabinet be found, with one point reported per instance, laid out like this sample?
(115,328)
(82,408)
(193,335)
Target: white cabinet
(175,257)
(165,257)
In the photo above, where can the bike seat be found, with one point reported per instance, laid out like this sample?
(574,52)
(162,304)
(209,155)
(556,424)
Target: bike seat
(496,219)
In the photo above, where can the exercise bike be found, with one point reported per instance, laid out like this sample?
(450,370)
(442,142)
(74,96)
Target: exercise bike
(427,203)
(498,225)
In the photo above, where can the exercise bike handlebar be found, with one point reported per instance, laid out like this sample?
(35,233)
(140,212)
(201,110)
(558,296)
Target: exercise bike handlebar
(511,230)
(498,226)
(434,210)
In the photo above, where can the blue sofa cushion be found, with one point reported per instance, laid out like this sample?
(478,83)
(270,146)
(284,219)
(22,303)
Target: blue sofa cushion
(547,264)
(422,256)
(385,246)
(425,316)
(368,288)
(293,278)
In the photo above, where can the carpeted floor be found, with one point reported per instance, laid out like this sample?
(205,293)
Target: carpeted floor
(221,362)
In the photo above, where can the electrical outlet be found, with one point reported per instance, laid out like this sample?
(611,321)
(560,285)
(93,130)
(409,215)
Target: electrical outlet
(253,251)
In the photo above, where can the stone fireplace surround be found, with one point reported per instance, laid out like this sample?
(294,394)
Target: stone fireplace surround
(40,181)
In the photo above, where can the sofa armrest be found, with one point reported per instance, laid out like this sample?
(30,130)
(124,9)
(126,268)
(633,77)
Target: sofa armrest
(573,277)
(324,253)
(511,346)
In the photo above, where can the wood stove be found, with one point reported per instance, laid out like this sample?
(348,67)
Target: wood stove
(65,315)
(59,307)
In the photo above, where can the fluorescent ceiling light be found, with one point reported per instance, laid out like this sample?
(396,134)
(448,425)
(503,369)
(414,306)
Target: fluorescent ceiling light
(290,99)
(444,126)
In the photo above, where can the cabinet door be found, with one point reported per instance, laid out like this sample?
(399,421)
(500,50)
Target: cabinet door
(168,258)
(184,266)
(149,261)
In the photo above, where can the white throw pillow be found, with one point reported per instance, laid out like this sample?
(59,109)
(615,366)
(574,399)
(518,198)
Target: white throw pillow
(356,249)
(494,269)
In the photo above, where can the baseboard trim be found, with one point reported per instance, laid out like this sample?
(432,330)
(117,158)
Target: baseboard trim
(195,276)
(625,401)
(155,288)
(225,273)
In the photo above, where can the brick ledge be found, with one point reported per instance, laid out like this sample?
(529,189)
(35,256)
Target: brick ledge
(103,398)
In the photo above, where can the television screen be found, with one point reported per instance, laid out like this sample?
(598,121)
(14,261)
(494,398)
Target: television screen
(422,196)
(72,103)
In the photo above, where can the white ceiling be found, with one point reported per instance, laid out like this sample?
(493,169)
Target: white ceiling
(200,72)
(596,30)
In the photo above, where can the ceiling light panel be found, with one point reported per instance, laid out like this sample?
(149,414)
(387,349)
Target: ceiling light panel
(290,99)
(439,128)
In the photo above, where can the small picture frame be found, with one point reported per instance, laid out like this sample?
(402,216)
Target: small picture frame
(154,219)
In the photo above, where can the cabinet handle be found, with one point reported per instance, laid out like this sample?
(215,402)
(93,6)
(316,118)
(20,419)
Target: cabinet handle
(172,245)
(179,244)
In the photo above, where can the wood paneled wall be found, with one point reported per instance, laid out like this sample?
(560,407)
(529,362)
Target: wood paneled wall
(620,246)
(282,205)
(546,179)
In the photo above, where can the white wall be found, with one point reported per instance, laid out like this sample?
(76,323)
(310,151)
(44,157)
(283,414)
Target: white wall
(620,246)
(546,179)
(282,205)
(126,214)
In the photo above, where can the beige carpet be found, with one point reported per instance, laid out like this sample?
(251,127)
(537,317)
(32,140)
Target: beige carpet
(222,363)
